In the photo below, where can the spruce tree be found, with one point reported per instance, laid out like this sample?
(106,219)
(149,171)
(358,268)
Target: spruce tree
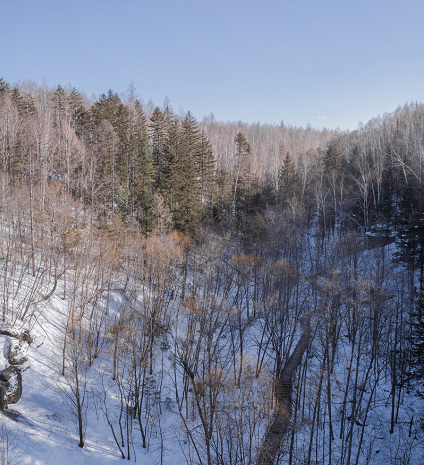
(158,133)
(60,100)
(11,156)
(80,117)
(170,152)
(410,243)
(411,235)
(287,179)
(24,103)
(242,175)
(140,171)
(335,173)
(4,86)
(115,156)
(206,170)
(186,180)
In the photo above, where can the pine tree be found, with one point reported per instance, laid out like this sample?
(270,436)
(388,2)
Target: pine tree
(171,149)
(62,122)
(60,100)
(186,180)
(410,243)
(158,136)
(335,172)
(386,211)
(24,103)
(10,131)
(242,175)
(4,86)
(287,179)
(80,117)
(411,236)
(140,171)
(206,170)
(115,156)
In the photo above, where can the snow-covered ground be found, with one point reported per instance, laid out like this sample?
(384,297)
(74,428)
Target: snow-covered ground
(44,427)
(41,430)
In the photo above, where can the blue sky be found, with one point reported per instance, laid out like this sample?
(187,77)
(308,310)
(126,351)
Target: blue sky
(328,63)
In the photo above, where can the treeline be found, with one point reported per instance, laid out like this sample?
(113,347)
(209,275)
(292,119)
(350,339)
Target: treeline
(147,166)
(152,168)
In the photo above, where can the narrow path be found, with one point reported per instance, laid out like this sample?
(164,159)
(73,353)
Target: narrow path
(283,394)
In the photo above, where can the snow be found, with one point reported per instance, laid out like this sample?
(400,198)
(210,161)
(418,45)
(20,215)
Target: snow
(46,434)
(45,428)
(6,343)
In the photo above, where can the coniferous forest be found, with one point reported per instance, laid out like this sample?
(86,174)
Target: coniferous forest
(233,293)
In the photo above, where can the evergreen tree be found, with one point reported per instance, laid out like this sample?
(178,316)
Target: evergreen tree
(80,117)
(24,103)
(115,153)
(410,243)
(411,235)
(287,179)
(170,153)
(60,100)
(334,159)
(4,86)
(158,136)
(62,122)
(206,170)
(107,188)
(186,180)
(107,107)
(242,174)
(335,173)
(140,171)
(224,194)
(10,131)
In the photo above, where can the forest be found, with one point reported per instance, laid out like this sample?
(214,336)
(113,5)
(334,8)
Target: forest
(242,293)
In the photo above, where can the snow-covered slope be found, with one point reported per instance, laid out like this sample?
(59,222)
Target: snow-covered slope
(195,376)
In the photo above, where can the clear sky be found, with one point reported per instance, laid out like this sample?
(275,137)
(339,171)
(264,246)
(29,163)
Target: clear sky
(329,63)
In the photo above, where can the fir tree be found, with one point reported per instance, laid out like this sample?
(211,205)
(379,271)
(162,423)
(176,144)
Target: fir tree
(186,178)
(4,86)
(60,100)
(116,153)
(170,152)
(158,134)
(206,170)
(80,117)
(335,173)
(242,175)
(287,179)
(24,103)
(410,243)
(411,236)
(140,170)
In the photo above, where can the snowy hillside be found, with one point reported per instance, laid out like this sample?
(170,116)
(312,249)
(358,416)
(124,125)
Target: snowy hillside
(161,355)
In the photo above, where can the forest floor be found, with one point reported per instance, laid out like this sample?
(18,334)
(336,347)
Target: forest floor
(40,429)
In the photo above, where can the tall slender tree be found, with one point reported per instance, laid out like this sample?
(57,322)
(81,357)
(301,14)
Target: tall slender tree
(186,179)
(158,135)
(242,174)
(287,179)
